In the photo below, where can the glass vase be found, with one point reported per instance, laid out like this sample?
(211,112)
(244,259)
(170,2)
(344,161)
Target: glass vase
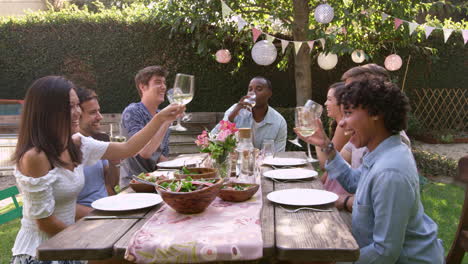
(223,165)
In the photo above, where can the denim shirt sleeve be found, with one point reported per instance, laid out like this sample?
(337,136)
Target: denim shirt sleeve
(393,201)
(339,169)
(280,140)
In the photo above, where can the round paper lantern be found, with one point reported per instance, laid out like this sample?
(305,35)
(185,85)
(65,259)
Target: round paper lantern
(358,56)
(223,56)
(264,53)
(327,61)
(393,62)
(323,13)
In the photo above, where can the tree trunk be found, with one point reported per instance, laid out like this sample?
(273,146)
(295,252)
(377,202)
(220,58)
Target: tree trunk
(302,71)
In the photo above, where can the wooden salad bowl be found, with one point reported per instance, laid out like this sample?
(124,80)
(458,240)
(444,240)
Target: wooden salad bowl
(190,202)
(141,187)
(199,173)
(230,195)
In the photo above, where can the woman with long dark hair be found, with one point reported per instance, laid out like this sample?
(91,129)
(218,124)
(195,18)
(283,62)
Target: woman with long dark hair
(50,156)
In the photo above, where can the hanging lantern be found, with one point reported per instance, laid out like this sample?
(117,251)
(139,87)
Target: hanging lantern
(327,61)
(223,56)
(264,53)
(323,13)
(393,62)
(358,56)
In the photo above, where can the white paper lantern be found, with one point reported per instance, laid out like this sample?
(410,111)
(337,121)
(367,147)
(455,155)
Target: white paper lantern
(393,62)
(327,61)
(264,53)
(223,56)
(358,56)
(323,13)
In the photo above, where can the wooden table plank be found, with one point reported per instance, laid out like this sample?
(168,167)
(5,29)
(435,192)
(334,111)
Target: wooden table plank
(88,239)
(312,236)
(268,219)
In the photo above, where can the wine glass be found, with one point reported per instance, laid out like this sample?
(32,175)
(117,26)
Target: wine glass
(317,108)
(116,138)
(182,93)
(252,100)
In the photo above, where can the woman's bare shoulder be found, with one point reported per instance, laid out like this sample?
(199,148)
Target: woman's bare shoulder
(34,163)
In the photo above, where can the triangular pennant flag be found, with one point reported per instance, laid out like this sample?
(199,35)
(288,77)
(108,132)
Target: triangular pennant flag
(241,23)
(398,23)
(465,35)
(322,41)
(297,46)
(447,33)
(270,38)
(284,45)
(311,45)
(412,27)
(225,9)
(428,30)
(256,33)
(384,16)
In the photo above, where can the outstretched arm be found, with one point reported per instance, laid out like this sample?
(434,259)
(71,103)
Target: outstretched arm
(127,149)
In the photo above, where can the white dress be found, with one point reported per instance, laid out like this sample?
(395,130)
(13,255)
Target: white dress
(52,194)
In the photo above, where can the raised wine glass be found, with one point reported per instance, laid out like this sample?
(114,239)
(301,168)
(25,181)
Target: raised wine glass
(182,93)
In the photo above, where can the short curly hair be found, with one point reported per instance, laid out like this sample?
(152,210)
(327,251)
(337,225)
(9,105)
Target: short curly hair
(379,98)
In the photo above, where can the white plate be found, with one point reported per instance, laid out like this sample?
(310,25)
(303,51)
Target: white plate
(284,161)
(127,201)
(290,174)
(179,162)
(302,197)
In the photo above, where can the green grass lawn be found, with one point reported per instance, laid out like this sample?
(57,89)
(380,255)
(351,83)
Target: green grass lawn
(442,202)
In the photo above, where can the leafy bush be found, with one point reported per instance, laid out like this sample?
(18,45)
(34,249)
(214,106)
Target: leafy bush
(432,164)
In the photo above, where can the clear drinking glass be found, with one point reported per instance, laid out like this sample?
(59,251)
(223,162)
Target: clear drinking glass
(116,138)
(268,148)
(182,93)
(305,121)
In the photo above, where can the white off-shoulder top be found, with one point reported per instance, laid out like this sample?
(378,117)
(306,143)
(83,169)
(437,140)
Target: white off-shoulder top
(52,194)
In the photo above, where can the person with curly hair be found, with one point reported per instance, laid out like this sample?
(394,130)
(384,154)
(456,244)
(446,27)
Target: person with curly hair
(388,220)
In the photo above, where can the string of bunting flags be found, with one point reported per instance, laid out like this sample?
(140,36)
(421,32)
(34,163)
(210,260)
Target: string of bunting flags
(265,53)
(427,29)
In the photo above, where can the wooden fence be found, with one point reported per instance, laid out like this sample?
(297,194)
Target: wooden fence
(439,109)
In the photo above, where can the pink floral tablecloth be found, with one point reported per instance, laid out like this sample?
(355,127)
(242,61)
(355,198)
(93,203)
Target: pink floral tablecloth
(224,231)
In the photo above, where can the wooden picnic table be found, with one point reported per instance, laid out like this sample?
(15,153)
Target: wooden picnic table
(302,236)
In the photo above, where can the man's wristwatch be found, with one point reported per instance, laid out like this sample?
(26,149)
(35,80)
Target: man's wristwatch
(328,148)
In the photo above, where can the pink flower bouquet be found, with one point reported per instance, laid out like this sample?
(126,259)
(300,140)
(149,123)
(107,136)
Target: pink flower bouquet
(221,144)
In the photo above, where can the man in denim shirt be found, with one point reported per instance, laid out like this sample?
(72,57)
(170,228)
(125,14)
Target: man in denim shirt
(265,122)
(151,86)
(388,219)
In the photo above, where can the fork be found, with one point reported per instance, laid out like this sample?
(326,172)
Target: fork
(305,208)
(285,181)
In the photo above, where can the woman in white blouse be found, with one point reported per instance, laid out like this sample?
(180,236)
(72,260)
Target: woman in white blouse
(49,160)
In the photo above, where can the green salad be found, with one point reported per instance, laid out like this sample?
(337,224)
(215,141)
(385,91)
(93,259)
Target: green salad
(186,185)
(237,187)
(147,177)
(186,171)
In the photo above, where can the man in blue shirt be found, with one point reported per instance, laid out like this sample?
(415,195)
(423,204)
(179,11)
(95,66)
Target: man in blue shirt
(265,122)
(150,83)
(102,177)
(388,219)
